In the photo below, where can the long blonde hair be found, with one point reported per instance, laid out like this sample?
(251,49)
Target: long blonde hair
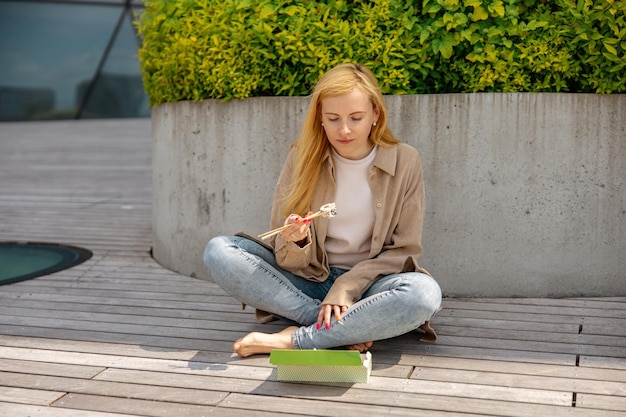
(312,145)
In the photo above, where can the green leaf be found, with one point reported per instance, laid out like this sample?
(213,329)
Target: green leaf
(434,8)
(444,46)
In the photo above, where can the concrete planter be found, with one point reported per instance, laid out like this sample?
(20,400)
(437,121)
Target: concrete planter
(526,193)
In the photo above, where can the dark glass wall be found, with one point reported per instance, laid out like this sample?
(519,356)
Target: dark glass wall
(70,60)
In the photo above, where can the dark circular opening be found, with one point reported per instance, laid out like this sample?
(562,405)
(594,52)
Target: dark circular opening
(21,261)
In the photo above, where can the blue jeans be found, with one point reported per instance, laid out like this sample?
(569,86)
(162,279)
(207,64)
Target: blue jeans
(394,305)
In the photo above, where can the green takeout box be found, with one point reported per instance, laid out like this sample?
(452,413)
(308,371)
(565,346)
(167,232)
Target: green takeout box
(321,365)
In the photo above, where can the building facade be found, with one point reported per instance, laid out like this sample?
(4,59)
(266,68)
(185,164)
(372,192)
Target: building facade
(70,59)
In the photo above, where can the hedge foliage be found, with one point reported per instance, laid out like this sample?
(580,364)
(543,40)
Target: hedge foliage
(201,49)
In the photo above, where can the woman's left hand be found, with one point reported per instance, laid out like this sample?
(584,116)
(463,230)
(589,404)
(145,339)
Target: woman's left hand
(326,311)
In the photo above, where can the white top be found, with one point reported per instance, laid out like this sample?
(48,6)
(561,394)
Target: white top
(349,233)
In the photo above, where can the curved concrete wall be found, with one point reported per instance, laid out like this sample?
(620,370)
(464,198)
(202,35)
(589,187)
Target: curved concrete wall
(526,193)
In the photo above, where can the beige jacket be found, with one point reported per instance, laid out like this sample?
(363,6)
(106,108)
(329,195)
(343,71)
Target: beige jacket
(398,193)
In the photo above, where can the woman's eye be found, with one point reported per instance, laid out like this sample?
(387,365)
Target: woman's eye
(333,119)
(357,119)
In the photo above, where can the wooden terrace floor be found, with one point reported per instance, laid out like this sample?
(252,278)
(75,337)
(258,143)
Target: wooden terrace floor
(121,336)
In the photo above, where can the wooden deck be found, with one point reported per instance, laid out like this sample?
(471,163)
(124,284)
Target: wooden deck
(121,336)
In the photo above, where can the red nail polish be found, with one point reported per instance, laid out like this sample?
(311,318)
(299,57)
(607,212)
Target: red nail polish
(327,326)
(317,326)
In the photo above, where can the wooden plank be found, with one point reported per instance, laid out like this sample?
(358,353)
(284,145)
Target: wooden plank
(495,323)
(618,329)
(405,405)
(603,362)
(133,302)
(533,336)
(111,389)
(193,292)
(577,311)
(28,396)
(22,410)
(521,356)
(601,402)
(90,294)
(530,348)
(147,342)
(92,347)
(536,369)
(245,405)
(598,303)
(130,329)
(534,346)
(524,316)
(208,321)
(131,406)
(41,368)
(38,307)
(568,384)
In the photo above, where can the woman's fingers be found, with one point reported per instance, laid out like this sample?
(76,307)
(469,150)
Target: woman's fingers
(325,314)
(323,318)
(337,311)
(320,317)
(298,229)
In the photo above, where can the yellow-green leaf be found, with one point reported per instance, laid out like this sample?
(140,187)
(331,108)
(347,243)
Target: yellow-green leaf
(497,8)
(479,14)
(472,3)
(266,11)
(610,48)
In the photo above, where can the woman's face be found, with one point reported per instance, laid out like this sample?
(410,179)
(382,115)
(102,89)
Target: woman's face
(347,120)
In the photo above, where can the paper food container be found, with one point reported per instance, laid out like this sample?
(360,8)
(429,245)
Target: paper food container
(321,365)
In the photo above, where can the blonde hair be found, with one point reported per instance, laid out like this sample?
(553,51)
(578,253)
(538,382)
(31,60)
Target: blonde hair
(312,145)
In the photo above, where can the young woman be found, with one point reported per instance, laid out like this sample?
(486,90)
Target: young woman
(347,280)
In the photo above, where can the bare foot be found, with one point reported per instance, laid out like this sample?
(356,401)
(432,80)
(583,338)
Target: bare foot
(361,347)
(255,343)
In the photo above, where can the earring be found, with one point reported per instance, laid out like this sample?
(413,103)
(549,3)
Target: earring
(374,124)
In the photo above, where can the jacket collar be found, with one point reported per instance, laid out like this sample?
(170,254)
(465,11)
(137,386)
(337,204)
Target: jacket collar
(386,159)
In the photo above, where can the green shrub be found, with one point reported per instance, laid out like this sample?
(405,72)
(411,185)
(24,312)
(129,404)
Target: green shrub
(201,49)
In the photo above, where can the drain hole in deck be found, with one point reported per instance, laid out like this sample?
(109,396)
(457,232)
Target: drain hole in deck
(20,261)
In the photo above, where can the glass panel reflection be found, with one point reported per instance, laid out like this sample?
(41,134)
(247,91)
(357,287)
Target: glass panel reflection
(118,91)
(50,51)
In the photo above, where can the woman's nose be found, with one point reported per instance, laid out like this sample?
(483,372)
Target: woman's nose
(344,128)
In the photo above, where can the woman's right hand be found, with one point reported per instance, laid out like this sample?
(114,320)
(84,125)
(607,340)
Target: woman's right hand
(298,230)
